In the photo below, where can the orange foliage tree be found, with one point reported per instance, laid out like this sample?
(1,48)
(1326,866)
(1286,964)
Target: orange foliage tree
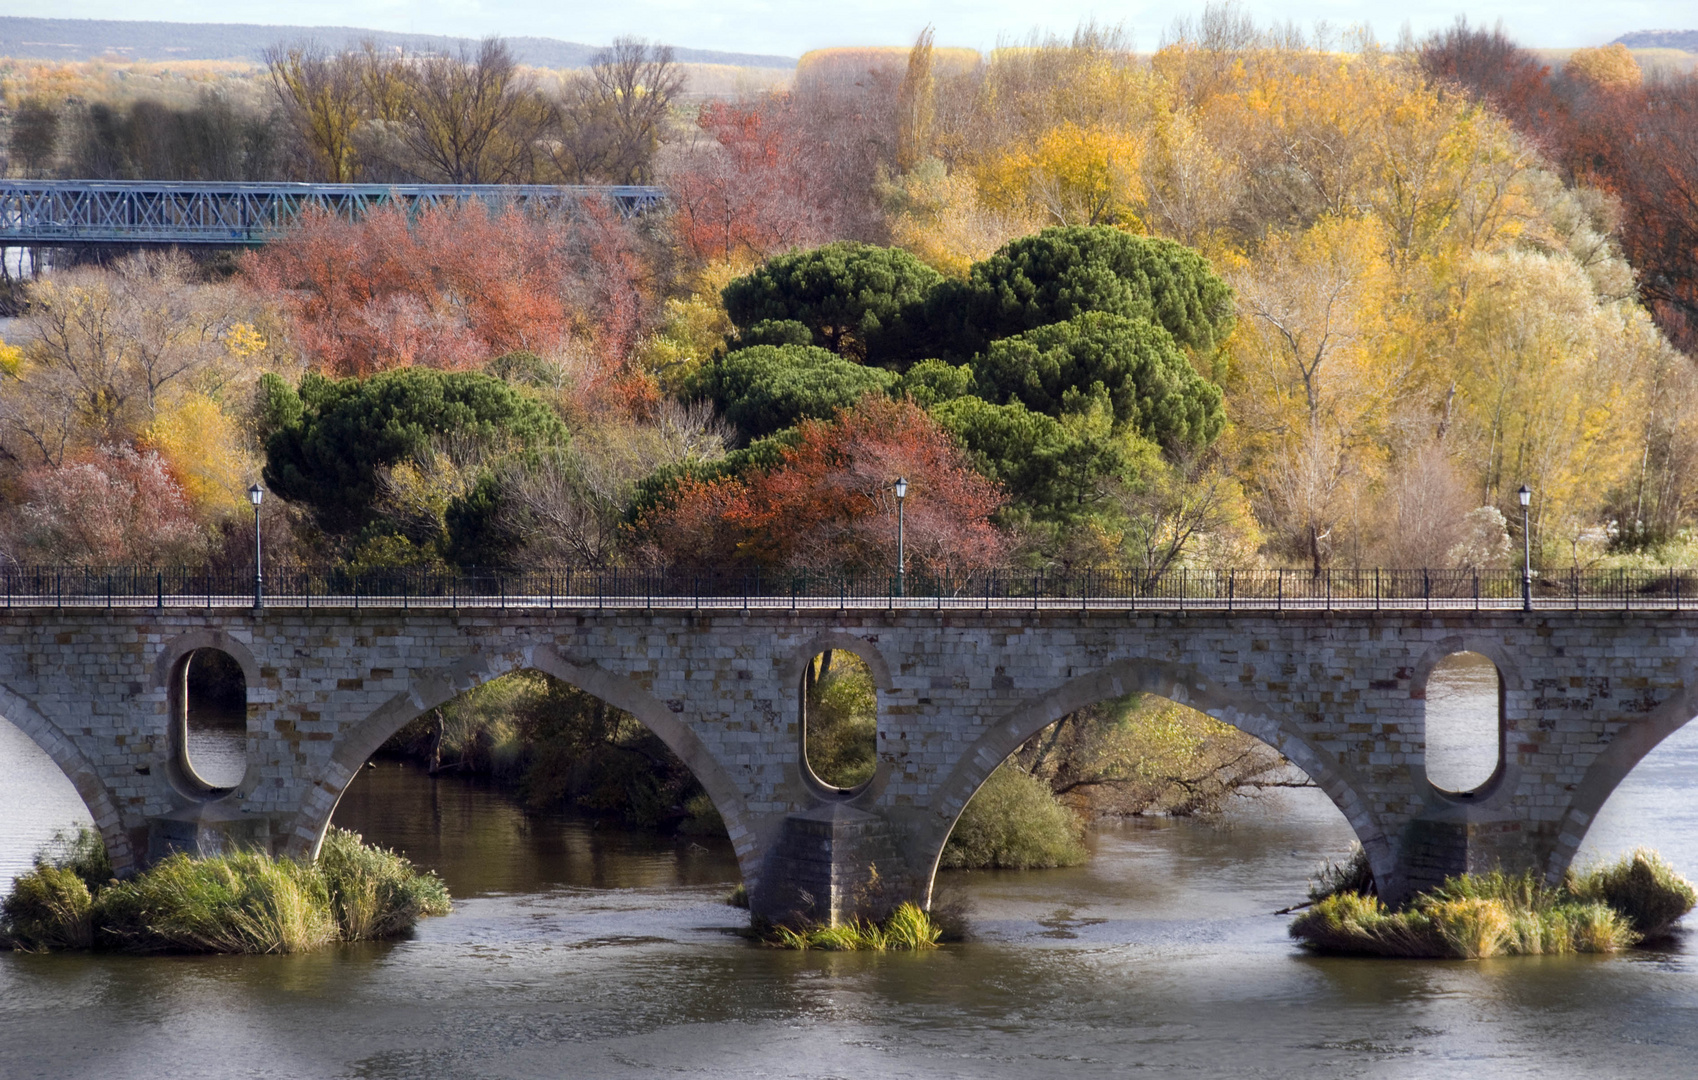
(747,193)
(827,503)
(456,286)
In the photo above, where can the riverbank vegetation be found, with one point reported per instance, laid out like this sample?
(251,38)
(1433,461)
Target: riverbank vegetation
(243,902)
(1473,916)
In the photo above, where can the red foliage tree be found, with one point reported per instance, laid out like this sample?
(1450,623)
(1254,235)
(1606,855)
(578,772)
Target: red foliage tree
(789,169)
(455,287)
(827,504)
(748,192)
(1638,141)
(112,505)
(1488,65)
(1645,150)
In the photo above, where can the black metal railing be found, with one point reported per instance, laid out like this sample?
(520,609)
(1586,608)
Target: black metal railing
(1005,589)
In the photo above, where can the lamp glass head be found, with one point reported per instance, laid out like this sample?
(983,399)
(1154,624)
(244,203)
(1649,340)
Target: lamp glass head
(901,487)
(1525,495)
(255,494)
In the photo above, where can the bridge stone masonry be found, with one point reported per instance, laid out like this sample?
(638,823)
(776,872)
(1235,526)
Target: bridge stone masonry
(1586,694)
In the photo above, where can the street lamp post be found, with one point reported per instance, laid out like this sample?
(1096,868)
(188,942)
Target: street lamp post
(256,495)
(901,487)
(1526,497)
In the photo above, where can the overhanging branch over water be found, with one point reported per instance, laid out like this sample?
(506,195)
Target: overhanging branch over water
(49,212)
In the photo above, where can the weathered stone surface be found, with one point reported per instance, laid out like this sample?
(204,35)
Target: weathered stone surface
(1586,695)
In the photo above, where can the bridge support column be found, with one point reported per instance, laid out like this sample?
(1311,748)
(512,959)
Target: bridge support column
(831,864)
(1449,839)
(212,828)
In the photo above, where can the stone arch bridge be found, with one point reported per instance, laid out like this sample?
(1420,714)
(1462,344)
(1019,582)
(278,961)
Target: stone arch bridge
(1586,694)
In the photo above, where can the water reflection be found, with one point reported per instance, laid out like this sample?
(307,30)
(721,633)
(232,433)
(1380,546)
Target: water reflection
(481,842)
(36,800)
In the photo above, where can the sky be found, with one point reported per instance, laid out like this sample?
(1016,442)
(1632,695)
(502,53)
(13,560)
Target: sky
(788,27)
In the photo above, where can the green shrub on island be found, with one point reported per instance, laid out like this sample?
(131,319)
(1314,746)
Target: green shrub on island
(48,908)
(1496,914)
(908,928)
(375,893)
(1644,888)
(244,902)
(1014,822)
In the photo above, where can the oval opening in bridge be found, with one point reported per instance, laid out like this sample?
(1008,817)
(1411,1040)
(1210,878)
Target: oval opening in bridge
(213,752)
(839,719)
(1464,720)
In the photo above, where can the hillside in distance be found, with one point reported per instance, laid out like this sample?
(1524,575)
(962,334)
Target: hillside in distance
(89,39)
(1685,40)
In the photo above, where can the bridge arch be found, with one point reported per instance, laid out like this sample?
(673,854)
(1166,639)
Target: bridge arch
(79,770)
(432,689)
(1179,683)
(1625,750)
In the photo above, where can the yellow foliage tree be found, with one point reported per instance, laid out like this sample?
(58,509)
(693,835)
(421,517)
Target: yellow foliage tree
(1314,382)
(208,453)
(1610,67)
(939,217)
(1549,382)
(693,327)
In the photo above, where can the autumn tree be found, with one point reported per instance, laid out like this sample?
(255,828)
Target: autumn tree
(611,118)
(826,502)
(1315,388)
(106,506)
(472,117)
(388,291)
(33,145)
(321,92)
(747,186)
(104,353)
(569,505)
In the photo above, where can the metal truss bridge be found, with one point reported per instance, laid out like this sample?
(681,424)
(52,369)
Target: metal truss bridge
(55,212)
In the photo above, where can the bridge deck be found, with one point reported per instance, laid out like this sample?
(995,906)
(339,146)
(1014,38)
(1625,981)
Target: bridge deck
(46,212)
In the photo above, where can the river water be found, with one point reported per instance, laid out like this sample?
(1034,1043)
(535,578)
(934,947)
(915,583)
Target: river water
(577,951)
